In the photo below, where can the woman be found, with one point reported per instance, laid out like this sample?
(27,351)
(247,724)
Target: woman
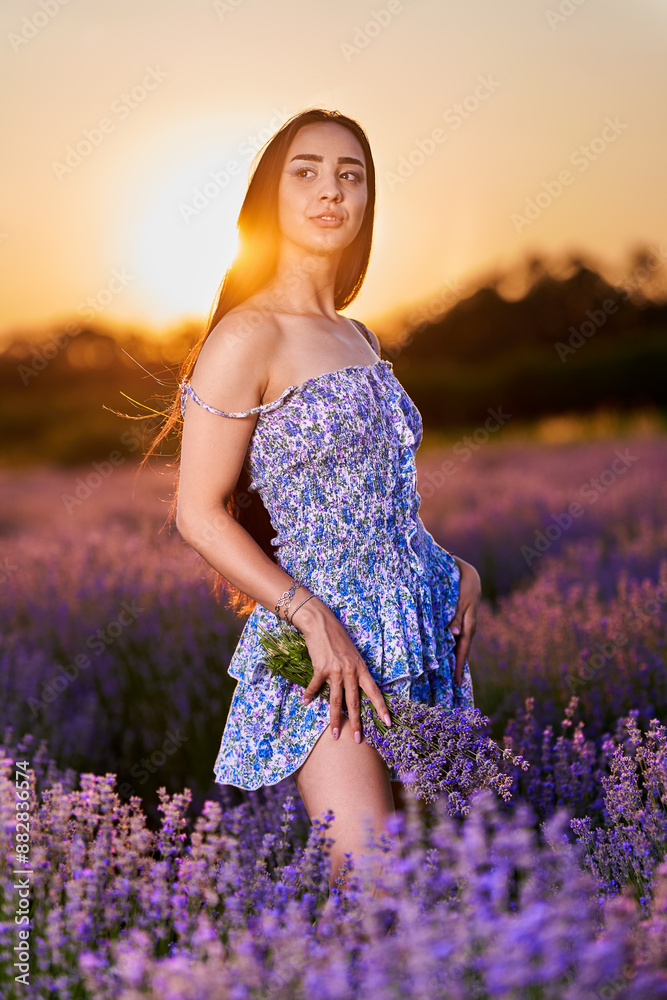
(298,485)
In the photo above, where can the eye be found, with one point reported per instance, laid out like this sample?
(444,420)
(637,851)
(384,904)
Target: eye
(349,174)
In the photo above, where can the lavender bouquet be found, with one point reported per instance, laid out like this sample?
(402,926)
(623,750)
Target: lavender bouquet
(434,752)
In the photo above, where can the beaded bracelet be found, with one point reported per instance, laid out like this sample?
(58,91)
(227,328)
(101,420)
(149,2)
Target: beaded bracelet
(291,621)
(286,599)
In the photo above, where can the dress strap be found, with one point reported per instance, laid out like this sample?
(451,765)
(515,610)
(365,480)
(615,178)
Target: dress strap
(365,331)
(187,390)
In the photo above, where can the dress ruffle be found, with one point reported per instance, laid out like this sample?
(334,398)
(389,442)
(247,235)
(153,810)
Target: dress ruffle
(403,637)
(400,633)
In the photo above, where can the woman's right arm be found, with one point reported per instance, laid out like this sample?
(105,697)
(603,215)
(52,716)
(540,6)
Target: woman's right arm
(231,374)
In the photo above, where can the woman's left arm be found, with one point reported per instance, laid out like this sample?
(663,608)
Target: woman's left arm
(464,623)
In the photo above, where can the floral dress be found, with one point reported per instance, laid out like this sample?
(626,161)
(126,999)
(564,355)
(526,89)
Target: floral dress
(333,460)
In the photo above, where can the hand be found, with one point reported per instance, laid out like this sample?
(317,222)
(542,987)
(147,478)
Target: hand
(464,622)
(337,662)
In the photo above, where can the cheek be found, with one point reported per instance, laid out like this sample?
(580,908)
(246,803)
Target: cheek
(360,202)
(285,213)
(290,205)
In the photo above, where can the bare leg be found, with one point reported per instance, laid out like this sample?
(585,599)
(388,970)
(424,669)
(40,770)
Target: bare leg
(352,780)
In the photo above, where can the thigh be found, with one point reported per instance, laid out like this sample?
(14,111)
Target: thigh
(349,778)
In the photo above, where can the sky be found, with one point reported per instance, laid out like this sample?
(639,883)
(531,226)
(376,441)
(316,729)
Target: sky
(498,130)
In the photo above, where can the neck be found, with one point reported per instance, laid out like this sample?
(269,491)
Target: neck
(305,282)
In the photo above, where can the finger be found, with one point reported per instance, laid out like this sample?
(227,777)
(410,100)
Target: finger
(463,645)
(456,623)
(353,705)
(335,707)
(311,689)
(368,685)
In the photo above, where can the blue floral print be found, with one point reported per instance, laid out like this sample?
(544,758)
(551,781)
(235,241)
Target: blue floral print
(333,460)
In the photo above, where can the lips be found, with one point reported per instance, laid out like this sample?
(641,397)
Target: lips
(334,216)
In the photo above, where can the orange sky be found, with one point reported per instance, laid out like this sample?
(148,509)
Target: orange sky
(122,110)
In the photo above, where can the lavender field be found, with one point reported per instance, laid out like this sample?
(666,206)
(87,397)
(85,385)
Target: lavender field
(150,881)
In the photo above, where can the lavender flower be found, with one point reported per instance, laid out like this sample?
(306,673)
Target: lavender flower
(434,752)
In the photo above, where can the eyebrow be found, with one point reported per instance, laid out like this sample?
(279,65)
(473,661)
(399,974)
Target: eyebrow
(319,159)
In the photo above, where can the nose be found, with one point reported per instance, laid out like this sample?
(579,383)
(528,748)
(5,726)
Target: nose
(330,187)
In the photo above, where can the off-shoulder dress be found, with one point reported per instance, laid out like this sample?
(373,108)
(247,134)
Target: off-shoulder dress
(333,460)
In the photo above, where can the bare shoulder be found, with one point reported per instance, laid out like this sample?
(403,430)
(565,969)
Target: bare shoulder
(244,333)
(232,367)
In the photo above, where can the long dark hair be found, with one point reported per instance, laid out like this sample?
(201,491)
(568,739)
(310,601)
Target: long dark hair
(252,269)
